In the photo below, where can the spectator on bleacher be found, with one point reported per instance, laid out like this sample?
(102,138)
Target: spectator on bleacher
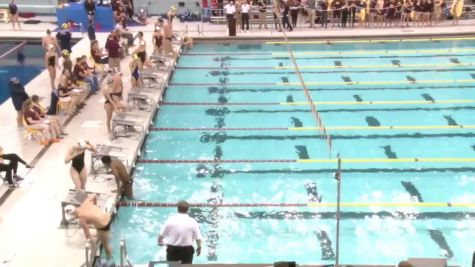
(19,96)
(157,40)
(345,13)
(51,63)
(362,14)
(11,168)
(122,178)
(171,14)
(34,121)
(262,14)
(245,10)
(238,14)
(379,13)
(372,13)
(75,155)
(397,18)
(97,55)
(406,13)
(430,12)
(64,38)
(90,7)
(113,94)
(390,15)
(85,75)
(311,12)
(113,49)
(49,40)
(14,13)
(294,7)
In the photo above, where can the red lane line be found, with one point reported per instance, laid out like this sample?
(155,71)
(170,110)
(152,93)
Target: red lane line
(220,129)
(168,204)
(216,161)
(218,104)
(227,54)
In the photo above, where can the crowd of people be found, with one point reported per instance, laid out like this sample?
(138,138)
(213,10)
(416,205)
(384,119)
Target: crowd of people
(342,13)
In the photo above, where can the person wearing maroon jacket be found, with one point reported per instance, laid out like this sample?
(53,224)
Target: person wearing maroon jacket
(85,74)
(113,49)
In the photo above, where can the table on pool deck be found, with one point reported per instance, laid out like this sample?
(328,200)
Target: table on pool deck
(77,13)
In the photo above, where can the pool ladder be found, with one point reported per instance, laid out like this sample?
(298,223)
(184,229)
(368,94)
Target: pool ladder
(124,257)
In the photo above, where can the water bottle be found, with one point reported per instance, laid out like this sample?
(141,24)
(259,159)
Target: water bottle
(80,28)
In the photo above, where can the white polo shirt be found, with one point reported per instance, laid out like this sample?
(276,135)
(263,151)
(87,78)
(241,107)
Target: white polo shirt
(180,230)
(230,9)
(245,8)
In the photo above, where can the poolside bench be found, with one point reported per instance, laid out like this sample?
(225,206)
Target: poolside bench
(4,14)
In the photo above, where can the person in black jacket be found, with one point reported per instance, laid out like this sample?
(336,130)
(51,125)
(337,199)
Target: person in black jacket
(64,38)
(18,94)
(90,7)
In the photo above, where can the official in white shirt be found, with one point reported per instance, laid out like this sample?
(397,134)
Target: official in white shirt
(178,233)
(230,9)
(245,15)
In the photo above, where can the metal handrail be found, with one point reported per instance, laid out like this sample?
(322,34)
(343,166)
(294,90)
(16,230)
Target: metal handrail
(124,257)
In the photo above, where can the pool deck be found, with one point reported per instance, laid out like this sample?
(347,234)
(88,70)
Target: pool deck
(30,215)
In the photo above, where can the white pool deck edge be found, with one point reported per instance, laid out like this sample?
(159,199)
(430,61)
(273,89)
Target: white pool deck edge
(30,216)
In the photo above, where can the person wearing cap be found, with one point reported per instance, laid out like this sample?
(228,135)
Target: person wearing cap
(67,62)
(75,155)
(49,40)
(171,14)
(51,63)
(178,233)
(19,96)
(64,38)
(113,94)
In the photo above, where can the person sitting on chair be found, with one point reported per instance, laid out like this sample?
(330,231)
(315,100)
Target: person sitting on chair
(11,168)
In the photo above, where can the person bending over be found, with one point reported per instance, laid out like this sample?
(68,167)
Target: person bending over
(89,213)
(78,169)
(122,177)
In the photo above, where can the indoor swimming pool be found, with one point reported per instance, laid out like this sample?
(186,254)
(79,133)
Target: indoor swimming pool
(235,135)
(24,60)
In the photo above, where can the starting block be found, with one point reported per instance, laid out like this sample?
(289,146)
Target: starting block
(130,123)
(114,152)
(141,98)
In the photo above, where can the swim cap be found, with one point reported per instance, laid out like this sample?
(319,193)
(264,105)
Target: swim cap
(64,26)
(14,80)
(173,7)
(65,52)
(109,80)
(136,56)
(82,143)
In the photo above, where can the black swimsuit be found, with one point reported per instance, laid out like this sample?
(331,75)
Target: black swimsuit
(158,41)
(107,227)
(78,162)
(52,61)
(119,94)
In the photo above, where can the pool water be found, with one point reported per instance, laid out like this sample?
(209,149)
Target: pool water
(243,106)
(24,63)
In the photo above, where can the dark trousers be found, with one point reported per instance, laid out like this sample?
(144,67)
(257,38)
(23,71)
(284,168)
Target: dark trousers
(14,159)
(324,19)
(344,18)
(286,23)
(182,254)
(8,172)
(294,13)
(244,21)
